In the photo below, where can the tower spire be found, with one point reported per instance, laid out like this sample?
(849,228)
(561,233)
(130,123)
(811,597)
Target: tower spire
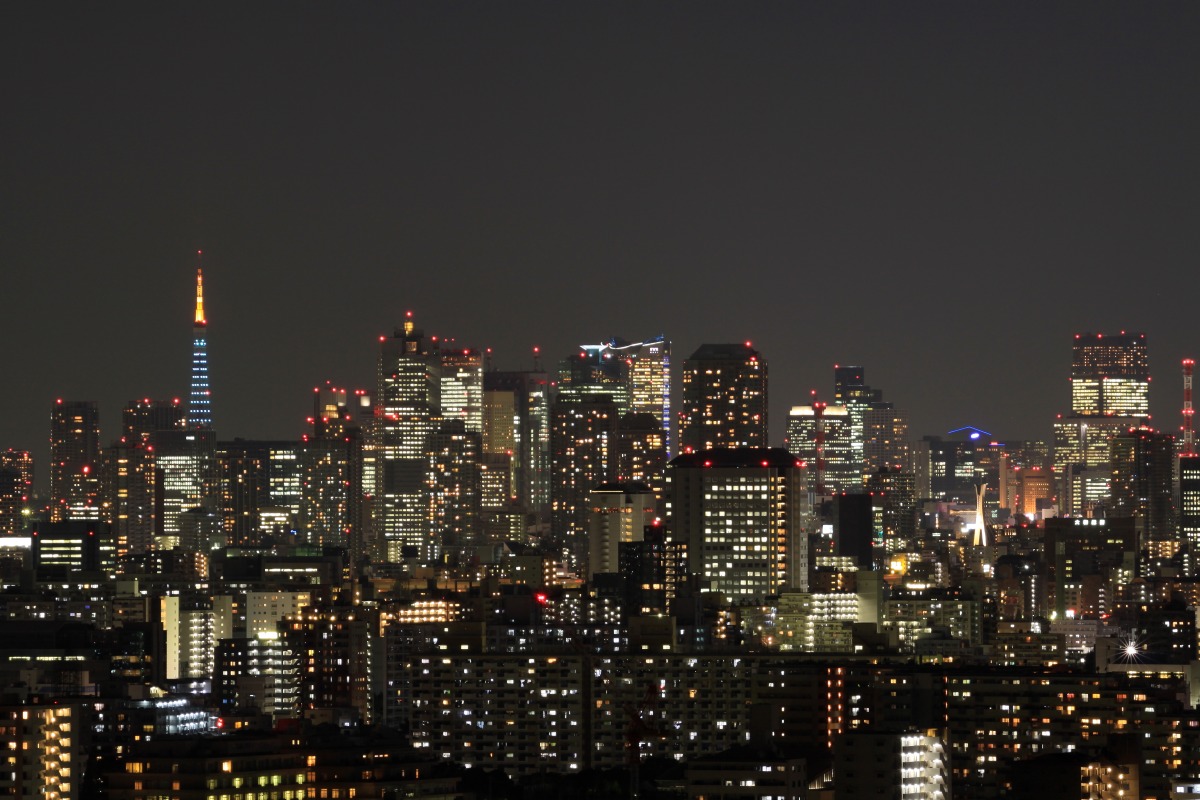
(200,321)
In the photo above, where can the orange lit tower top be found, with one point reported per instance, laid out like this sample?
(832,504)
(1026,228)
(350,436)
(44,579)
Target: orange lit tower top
(200,321)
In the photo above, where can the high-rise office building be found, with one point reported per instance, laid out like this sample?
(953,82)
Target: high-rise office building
(619,513)
(187,465)
(894,492)
(823,436)
(462,387)
(133,483)
(951,467)
(141,419)
(1189,500)
(640,451)
(456,482)
(851,390)
(596,369)
(582,434)
(200,397)
(332,505)
(517,424)
(878,436)
(16,490)
(1110,375)
(650,385)
(1142,487)
(408,412)
(259,487)
(131,486)
(1085,440)
(741,513)
(74,460)
(724,398)
(1110,388)
(885,439)
(340,655)
(646,367)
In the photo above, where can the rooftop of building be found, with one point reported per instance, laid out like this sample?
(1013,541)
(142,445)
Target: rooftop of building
(772,457)
(625,487)
(739,351)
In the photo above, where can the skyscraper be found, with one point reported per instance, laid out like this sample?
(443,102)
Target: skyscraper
(878,431)
(16,489)
(646,368)
(187,466)
(1110,387)
(517,424)
(456,481)
(332,508)
(742,514)
(462,387)
(724,398)
(885,439)
(822,435)
(1142,463)
(583,429)
(200,398)
(1110,375)
(141,419)
(619,513)
(1189,501)
(74,460)
(254,477)
(650,385)
(640,452)
(133,480)
(409,411)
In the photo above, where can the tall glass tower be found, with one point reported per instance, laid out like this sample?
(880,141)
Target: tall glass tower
(200,399)
(1110,375)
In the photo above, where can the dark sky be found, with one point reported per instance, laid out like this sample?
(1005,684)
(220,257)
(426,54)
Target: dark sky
(941,192)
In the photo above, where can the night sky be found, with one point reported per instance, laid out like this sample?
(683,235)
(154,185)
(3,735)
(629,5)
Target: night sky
(941,192)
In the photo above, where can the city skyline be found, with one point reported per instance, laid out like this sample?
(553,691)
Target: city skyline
(944,198)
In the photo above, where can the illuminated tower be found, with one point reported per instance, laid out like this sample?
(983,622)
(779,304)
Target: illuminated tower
(409,411)
(200,399)
(724,398)
(74,460)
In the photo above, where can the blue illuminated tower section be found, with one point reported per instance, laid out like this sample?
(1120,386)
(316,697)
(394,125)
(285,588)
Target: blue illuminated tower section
(200,399)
